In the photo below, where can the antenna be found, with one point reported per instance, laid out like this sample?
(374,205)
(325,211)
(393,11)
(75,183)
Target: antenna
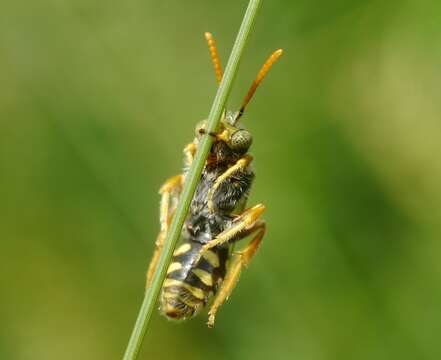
(214,56)
(259,78)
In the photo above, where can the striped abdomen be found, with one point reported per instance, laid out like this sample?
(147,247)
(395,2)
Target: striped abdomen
(188,288)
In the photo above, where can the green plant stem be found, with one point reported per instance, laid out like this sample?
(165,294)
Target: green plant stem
(192,179)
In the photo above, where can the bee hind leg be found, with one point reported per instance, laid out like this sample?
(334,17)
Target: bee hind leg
(169,191)
(248,224)
(241,259)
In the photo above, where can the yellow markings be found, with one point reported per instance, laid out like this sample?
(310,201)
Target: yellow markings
(196,292)
(212,258)
(182,249)
(169,295)
(173,267)
(187,300)
(204,276)
(171,184)
(190,149)
(190,301)
(189,152)
(172,282)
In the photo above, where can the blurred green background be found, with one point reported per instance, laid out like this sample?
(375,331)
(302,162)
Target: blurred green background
(97,100)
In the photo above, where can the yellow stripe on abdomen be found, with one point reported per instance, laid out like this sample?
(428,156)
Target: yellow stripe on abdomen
(174,267)
(196,292)
(182,249)
(211,257)
(204,276)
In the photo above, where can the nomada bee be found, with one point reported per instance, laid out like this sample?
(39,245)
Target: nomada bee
(204,264)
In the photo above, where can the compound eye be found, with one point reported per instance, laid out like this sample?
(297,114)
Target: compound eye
(241,141)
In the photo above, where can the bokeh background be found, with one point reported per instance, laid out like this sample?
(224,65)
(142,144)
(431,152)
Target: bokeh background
(97,100)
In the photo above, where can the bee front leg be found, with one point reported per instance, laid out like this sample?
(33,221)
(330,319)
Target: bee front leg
(169,194)
(241,259)
(240,166)
(189,153)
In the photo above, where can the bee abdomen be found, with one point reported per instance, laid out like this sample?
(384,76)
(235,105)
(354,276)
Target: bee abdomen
(188,287)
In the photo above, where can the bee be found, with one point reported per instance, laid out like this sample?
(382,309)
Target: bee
(204,264)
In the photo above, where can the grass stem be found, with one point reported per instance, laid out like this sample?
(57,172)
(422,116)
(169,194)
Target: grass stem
(192,180)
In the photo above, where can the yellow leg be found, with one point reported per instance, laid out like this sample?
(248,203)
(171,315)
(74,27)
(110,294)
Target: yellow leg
(155,258)
(242,224)
(189,152)
(241,164)
(169,196)
(168,191)
(241,259)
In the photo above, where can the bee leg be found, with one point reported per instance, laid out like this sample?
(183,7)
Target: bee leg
(189,152)
(169,195)
(241,259)
(240,165)
(241,224)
